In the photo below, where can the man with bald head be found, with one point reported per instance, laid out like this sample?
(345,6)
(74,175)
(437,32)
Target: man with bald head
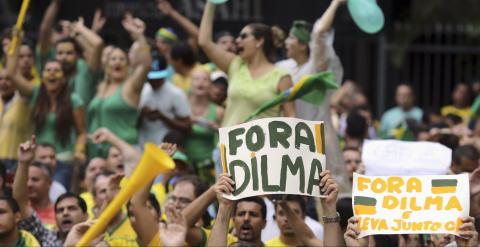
(397,116)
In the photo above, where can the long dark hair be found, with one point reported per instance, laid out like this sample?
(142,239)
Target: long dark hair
(272,38)
(64,111)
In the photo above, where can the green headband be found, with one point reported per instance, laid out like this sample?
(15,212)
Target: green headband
(301,30)
(168,35)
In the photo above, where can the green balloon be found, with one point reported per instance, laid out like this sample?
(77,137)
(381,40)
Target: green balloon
(218,1)
(367,15)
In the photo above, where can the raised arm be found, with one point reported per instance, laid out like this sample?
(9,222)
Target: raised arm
(90,42)
(166,8)
(332,230)
(142,60)
(26,151)
(144,225)
(46,26)
(322,40)
(81,128)
(288,108)
(220,57)
(218,236)
(14,74)
(130,154)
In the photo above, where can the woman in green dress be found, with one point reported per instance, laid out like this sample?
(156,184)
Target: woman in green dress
(115,105)
(253,78)
(58,115)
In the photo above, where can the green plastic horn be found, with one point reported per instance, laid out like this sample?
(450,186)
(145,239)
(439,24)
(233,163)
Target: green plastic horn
(367,15)
(218,1)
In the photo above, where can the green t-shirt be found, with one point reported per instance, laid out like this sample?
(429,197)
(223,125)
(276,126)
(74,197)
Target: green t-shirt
(200,143)
(47,134)
(83,82)
(115,114)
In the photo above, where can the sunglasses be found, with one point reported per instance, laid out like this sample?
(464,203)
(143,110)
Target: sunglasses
(243,36)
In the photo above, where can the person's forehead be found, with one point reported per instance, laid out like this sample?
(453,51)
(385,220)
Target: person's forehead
(65,46)
(4,205)
(25,49)
(351,153)
(249,206)
(67,202)
(36,172)
(97,163)
(44,150)
(184,189)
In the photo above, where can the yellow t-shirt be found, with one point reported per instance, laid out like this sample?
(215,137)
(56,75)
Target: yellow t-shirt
(276,242)
(185,82)
(155,242)
(88,198)
(122,235)
(464,113)
(15,126)
(159,191)
(206,233)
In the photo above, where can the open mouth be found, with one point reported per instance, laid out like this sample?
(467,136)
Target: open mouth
(239,50)
(245,229)
(67,223)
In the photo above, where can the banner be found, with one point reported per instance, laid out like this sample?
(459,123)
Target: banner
(392,157)
(274,156)
(410,204)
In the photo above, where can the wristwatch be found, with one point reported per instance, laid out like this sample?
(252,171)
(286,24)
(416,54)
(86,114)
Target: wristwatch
(331,219)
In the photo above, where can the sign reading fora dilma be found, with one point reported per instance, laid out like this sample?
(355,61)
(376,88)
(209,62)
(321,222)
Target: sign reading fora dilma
(410,204)
(274,156)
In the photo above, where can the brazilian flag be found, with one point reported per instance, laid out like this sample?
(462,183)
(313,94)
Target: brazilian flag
(311,88)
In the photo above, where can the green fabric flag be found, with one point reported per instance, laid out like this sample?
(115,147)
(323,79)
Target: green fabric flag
(476,107)
(312,89)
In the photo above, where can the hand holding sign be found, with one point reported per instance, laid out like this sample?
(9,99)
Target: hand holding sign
(352,234)
(467,232)
(224,186)
(329,187)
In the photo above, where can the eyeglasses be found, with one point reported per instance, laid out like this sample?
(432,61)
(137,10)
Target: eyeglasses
(243,36)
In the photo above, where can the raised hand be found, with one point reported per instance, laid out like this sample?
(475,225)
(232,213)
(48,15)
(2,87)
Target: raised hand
(78,230)
(26,151)
(134,26)
(352,233)
(174,231)
(101,135)
(98,21)
(169,148)
(328,187)
(468,233)
(224,185)
(165,7)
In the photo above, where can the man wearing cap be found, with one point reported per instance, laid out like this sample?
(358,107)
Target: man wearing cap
(164,107)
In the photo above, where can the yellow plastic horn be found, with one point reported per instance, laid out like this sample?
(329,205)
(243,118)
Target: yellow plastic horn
(153,162)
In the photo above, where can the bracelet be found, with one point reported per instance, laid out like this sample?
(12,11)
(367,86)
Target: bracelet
(331,219)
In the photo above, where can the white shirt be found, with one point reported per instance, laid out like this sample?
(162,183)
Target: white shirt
(169,100)
(56,190)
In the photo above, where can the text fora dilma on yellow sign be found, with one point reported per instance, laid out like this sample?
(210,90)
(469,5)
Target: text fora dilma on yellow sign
(414,201)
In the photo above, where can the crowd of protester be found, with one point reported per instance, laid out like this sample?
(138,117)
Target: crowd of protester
(75,113)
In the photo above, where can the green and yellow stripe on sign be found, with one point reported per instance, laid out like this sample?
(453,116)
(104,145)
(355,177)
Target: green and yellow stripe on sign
(364,205)
(320,138)
(443,186)
(223,150)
